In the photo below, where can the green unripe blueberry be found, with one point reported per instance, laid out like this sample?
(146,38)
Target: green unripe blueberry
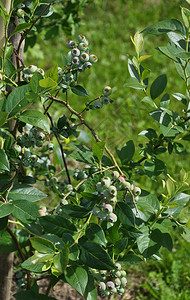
(118,266)
(110,285)
(112,218)
(69,57)
(93,58)
(121,291)
(88,65)
(70,44)
(64,202)
(106,293)
(99,187)
(113,199)
(81,68)
(75,61)
(123,273)
(117,282)
(115,174)
(95,211)
(32,69)
(112,190)
(137,190)
(76,170)
(41,71)
(108,208)
(105,100)
(106,181)
(33,157)
(84,57)
(41,136)
(75,52)
(107,90)
(50,146)
(123,281)
(114,291)
(101,215)
(93,169)
(60,71)
(97,104)
(102,286)
(81,38)
(69,188)
(82,47)
(117,274)
(126,185)
(20,13)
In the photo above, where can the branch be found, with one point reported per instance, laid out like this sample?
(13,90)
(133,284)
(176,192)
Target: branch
(22,256)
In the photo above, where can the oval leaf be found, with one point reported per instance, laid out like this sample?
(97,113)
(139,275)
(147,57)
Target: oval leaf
(35,118)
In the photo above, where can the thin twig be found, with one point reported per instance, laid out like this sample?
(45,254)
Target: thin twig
(22,256)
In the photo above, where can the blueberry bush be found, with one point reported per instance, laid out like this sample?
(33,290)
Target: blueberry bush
(99,219)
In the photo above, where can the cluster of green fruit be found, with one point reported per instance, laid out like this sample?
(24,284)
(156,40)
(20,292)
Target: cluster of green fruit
(28,72)
(31,138)
(110,282)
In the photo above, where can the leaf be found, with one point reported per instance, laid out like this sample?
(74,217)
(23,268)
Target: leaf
(5,209)
(165,101)
(47,83)
(161,117)
(148,202)
(154,168)
(149,133)
(94,256)
(42,245)
(186,234)
(127,152)
(7,245)
(25,211)
(3,117)
(34,82)
(132,70)
(168,131)
(164,27)
(120,246)
(20,28)
(81,281)
(82,153)
(28,265)
(166,237)
(79,90)
(41,257)
(125,214)
(96,234)
(134,83)
(149,101)
(30,295)
(76,211)
(144,57)
(60,260)
(16,100)
(139,42)
(52,73)
(181,199)
(98,150)
(158,86)
(130,259)
(57,225)
(26,192)
(35,118)
(4,162)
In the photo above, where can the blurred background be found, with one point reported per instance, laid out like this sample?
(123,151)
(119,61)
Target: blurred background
(108,26)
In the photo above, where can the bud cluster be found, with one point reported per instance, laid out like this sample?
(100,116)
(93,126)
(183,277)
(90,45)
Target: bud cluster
(110,282)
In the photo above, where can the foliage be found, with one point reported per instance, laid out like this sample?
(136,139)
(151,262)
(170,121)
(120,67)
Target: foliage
(100,219)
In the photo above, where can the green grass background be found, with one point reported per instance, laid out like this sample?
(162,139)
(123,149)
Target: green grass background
(108,26)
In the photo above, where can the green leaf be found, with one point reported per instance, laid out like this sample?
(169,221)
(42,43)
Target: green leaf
(134,83)
(7,244)
(35,118)
(148,202)
(3,117)
(130,259)
(60,260)
(76,211)
(79,90)
(164,27)
(20,27)
(184,215)
(165,101)
(25,211)
(94,256)
(166,237)
(120,246)
(42,245)
(148,101)
(52,73)
(98,150)
(9,68)
(181,199)
(149,133)
(149,244)
(57,225)
(4,162)
(47,83)
(30,295)
(158,86)
(125,214)
(81,281)
(41,257)
(96,234)
(168,131)
(186,233)
(34,82)
(28,265)
(127,152)
(16,100)
(155,167)
(83,154)
(26,192)
(5,209)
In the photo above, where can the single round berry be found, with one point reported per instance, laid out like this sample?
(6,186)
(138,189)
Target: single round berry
(108,208)
(126,185)
(84,57)
(70,44)
(81,38)
(112,190)
(118,266)
(123,273)
(106,90)
(99,187)
(110,285)
(137,190)
(75,61)
(106,181)
(81,68)
(82,47)
(121,291)
(88,65)
(75,52)
(32,69)
(20,13)
(115,174)
(117,282)
(93,58)
(105,100)
(123,281)
(41,71)
(112,218)
(102,286)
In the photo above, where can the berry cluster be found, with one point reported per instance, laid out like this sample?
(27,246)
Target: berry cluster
(31,138)
(28,72)
(110,282)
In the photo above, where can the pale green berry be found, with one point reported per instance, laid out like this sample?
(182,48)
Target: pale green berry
(93,58)
(117,274)
(112,218)
(101,215)
(107,90)
(75,61)
(70,44)
(137,190)
(121,291)
(32,69)
(108,208)
(69,57)
(126,185)
(41,71)
(106,181)
(75,52)
(99,187)
(50,146)
(84,57)
(97,104)
(123,281)
(68,188)
(117,282)
(64,202)
(105,100)
(88,65)
(115,174)
(123,273)
(82,47)
(118,266)
(110,285)
(112,190)
(81,68)
(60,71)
(113,199)
(102,286)
(81,38)
(20,13)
